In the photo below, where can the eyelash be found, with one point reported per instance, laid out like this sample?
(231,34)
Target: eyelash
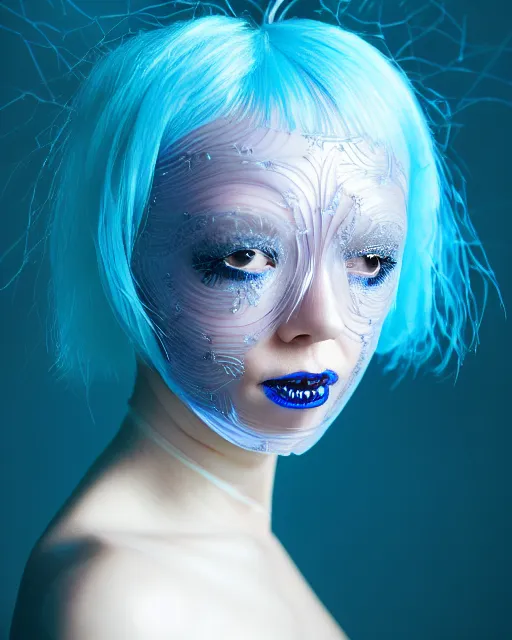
(387,264)
(215,270)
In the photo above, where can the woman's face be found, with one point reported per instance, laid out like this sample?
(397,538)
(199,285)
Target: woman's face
(268,263)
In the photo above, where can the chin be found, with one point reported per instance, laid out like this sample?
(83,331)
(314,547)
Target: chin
(261,414)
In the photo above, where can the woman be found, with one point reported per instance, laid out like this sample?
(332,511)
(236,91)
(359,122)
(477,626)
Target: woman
(253,212)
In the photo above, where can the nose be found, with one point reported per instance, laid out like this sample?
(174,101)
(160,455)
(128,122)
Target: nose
(318,316)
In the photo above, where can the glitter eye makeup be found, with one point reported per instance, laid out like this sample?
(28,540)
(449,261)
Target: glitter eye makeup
(370,269)
(234,263)
(371,266)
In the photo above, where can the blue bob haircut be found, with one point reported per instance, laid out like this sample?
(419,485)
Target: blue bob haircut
(163,84)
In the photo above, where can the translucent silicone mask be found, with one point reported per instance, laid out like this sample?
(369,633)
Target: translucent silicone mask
(267,263)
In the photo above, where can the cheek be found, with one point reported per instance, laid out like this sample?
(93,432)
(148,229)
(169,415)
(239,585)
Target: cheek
(372,302)
(231,317)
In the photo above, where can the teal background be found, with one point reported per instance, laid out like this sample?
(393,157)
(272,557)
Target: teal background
(401,516)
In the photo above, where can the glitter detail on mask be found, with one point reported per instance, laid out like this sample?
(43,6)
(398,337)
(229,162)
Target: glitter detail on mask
(251,340)
(332,208)
(266,164)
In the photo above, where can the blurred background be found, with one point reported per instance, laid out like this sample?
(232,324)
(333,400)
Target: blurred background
(400,517)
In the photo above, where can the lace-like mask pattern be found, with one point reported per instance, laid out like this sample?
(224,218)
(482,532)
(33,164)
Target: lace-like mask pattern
(268,263)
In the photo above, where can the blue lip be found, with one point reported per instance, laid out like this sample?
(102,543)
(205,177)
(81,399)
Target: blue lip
(300,390)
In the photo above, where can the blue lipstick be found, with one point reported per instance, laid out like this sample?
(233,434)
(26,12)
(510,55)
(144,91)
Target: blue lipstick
(300,390)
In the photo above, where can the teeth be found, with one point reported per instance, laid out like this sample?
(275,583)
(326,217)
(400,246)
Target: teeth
(303,395)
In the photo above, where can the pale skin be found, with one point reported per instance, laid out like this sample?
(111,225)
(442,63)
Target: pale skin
(148,549)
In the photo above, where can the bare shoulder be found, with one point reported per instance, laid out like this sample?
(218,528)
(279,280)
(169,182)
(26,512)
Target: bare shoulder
(84,589)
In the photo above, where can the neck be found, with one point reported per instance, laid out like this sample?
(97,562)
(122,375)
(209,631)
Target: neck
(222,480)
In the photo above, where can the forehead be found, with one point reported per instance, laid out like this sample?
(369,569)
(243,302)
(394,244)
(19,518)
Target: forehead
(228,165)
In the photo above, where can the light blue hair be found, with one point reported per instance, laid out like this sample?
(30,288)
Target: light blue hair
(159,86)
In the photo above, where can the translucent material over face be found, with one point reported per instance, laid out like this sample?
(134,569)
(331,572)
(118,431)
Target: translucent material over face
(268,263)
